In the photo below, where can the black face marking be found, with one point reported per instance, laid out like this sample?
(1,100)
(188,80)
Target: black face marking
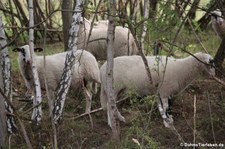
(211,63)
(214,15)
(22,50)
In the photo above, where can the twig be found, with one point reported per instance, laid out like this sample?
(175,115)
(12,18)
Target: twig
(174,130)
(19,120)
(149,119)
(194,120)
(219,81)
(85,114)
(199,40)
(92,23)
(96,110)
(35,106)
(197,37)
(50,101)
(198,134)
(130,26)
(210,113)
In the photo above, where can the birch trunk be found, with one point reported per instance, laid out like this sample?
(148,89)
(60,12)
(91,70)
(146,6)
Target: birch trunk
(144,29)
(3,127)
(6,78)
(37,111)
(112,109)
(70,59)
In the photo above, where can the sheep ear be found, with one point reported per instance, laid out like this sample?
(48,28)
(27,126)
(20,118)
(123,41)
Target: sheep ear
(38,49)
(16,50)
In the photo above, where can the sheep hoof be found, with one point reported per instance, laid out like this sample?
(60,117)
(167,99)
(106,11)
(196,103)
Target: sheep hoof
(168,122)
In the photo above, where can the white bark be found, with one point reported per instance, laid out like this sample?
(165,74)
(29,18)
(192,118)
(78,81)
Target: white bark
(37,111)
(3,126)
(70,59)
(112,109)
(144,29)
(6,78)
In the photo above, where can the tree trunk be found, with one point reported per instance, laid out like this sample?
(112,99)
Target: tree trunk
(204,20)
(3,132)
(192,11)
(112,109)
(24,18)
(7,80)
(220,55)
(153,8)
(69,63)
(37,111)
(67,20)
(144,29)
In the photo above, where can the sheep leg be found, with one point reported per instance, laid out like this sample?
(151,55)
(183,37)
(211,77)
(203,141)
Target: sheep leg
(163,106)
(170,103)
(119,116)
(88,97)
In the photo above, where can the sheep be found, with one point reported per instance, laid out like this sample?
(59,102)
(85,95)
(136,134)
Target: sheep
(102,23)
(218,22)
(129,73)
(123,45)
(86,71)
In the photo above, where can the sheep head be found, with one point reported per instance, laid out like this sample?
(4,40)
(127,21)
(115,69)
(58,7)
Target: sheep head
(208,62)
(24,53)
(216,17)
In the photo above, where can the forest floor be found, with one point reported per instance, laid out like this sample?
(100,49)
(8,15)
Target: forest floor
(143,124)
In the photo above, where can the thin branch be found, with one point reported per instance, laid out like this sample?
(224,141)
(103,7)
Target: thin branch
(92,23)
(50,101)
(193,30)
(19,120)
(211,119)
(96,110)
(194,132)
(130,26)
(219,81)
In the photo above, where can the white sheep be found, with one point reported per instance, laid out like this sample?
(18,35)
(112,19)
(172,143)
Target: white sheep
(218,22)
(101,23)
(123,45)
(169,75)
(86,71)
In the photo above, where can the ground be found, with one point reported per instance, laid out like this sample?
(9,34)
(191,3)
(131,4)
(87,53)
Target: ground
(143,129)
(148,130)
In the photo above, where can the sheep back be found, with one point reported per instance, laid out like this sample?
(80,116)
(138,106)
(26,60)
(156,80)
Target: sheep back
(123,45)
(86,67)
(169,75)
